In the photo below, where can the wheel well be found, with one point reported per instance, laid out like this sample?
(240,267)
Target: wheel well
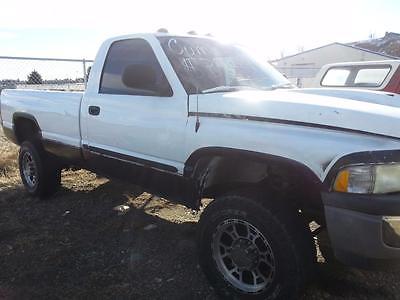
(219,172)
(26,128)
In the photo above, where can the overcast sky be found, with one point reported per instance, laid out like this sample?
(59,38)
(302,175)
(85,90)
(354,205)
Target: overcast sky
(74,29)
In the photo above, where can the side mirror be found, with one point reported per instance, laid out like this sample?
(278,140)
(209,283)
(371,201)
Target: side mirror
(140,76)
(88,72)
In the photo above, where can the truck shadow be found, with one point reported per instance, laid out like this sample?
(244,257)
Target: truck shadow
(77,245)
(336,281)
(114,240)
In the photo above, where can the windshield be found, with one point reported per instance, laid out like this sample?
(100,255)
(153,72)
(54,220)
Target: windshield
(206,66)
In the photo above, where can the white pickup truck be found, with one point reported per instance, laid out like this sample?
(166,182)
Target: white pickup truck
(190,118)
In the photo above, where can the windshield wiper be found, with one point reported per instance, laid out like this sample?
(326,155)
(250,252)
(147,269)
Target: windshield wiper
(227,88)
(235,88)
(282,86)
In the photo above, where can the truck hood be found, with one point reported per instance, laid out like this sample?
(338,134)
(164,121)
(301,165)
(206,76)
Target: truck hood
(301,108)
(376,97)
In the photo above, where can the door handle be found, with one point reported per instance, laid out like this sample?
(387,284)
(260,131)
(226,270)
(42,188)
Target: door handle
(94,110)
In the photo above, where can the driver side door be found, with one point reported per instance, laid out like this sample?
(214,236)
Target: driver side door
(132,120)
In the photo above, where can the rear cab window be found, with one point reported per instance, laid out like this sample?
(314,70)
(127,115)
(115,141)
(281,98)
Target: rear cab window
(356,76)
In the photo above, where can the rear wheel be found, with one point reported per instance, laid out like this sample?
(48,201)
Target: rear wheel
(249,251)
(40,173)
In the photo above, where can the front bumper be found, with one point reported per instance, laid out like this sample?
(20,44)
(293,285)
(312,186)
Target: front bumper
(364,230)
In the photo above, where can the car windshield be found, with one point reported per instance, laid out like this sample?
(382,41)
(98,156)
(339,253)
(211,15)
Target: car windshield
(204,65)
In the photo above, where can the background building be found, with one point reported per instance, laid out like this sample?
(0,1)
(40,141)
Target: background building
(302,67)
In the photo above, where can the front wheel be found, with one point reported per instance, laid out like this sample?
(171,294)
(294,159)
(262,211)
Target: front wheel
(251,252)
(39,173)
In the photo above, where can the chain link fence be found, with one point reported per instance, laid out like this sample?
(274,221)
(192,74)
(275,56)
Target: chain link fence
(43,73)
(71,74)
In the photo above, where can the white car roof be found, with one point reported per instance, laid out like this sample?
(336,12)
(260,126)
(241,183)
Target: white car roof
(155,34)
(393,62)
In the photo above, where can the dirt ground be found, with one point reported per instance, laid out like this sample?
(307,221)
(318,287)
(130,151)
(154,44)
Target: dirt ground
(107,239)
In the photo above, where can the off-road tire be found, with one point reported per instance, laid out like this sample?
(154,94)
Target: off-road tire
(287,234)
(48,172)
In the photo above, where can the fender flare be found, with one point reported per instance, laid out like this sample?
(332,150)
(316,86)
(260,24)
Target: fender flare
(27,116)
(198,173)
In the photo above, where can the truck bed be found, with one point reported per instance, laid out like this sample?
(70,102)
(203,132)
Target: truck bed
(57,113)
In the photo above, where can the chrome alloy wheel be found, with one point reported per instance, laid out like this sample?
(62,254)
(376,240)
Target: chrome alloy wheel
(243,256)
(29,169)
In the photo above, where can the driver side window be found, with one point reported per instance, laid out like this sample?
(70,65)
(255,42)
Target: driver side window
(131,68)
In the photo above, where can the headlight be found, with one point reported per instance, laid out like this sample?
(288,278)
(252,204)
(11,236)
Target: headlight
(368,179)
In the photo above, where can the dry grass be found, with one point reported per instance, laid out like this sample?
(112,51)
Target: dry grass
(8,163)
(93,240)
